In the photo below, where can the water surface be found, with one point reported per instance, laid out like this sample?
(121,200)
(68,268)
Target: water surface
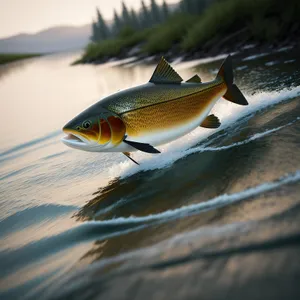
(66,212)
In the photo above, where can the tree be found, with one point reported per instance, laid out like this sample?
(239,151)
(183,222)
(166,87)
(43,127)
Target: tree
(155,13)
(134,21)
(125,15)
(117,25)
(145,16)
(188,6)
(165,11)
(200,6)
(94,37)
(103,32)
(194,6)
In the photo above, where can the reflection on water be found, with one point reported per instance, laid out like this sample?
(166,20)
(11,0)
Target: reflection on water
(7,69)
(197,178)
(62,209)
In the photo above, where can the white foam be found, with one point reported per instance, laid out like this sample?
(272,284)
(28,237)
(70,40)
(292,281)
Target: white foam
(228,114)
(114,63)
(251,57)
(109,208)
(168,158)
(214,203)
(241,68)
(197,62)
(252,138)
(285,48)
(177,60)
(249,46)
(289,61)
(271,63)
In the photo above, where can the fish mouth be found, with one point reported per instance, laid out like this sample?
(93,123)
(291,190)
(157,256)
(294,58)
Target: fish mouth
(73,139)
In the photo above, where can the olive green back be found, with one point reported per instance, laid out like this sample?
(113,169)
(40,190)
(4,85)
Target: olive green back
(151,94)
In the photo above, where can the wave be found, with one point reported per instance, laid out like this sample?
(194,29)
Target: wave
(252,138)
(102,230)
(229,115)
(172,157)
(197,62)
(175,156)
(33,215)
(55,155)
(109,208)
(213,203)
(17,172)
(252,57)
(289,61)
(30,143)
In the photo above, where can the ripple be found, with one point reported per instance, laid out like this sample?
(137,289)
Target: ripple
(214,203)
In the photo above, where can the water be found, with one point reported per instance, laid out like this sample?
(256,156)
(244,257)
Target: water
(67,216)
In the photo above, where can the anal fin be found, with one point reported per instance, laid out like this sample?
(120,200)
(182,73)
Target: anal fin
(211,121)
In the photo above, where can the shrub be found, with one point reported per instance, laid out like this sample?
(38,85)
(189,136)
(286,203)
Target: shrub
(266,20)
(169,33)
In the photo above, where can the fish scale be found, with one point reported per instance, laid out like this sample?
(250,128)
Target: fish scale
(151,94)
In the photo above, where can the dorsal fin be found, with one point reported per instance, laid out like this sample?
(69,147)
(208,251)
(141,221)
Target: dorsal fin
(164,73)
(194,79)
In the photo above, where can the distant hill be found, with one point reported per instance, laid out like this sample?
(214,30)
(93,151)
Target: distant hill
(55,39)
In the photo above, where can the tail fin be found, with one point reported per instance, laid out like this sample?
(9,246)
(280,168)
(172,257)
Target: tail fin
(233,93)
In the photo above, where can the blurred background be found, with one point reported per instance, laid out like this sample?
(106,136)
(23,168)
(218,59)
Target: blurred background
(106,29)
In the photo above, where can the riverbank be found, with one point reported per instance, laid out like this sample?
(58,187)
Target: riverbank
(6,58)
(261,26)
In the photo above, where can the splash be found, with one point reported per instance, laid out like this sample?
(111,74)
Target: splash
(252,138)
(228,113)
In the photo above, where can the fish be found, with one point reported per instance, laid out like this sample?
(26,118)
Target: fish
(158,112)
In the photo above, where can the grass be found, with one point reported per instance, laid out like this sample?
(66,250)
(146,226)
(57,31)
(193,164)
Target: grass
(265,21)
(113,47)
(166,35)
(10,57)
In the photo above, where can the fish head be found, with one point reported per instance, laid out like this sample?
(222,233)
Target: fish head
(95,129)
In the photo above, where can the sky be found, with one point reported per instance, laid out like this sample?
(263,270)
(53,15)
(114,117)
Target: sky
(30,16)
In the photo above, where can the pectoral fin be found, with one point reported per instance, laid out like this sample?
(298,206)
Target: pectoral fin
(211,121)
(142,147)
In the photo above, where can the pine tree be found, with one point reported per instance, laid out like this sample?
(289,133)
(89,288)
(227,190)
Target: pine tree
(187,6)
(165,11)
(125,15)
(155,13)
(201,5)
(100,30)
(94,37)
(145,16)
(134,21)
(117,25)
(193,6)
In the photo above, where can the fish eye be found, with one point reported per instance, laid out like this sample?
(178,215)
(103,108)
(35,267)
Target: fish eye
(86,124)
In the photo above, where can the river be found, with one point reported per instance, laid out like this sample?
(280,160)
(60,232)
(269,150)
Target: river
(217,213)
